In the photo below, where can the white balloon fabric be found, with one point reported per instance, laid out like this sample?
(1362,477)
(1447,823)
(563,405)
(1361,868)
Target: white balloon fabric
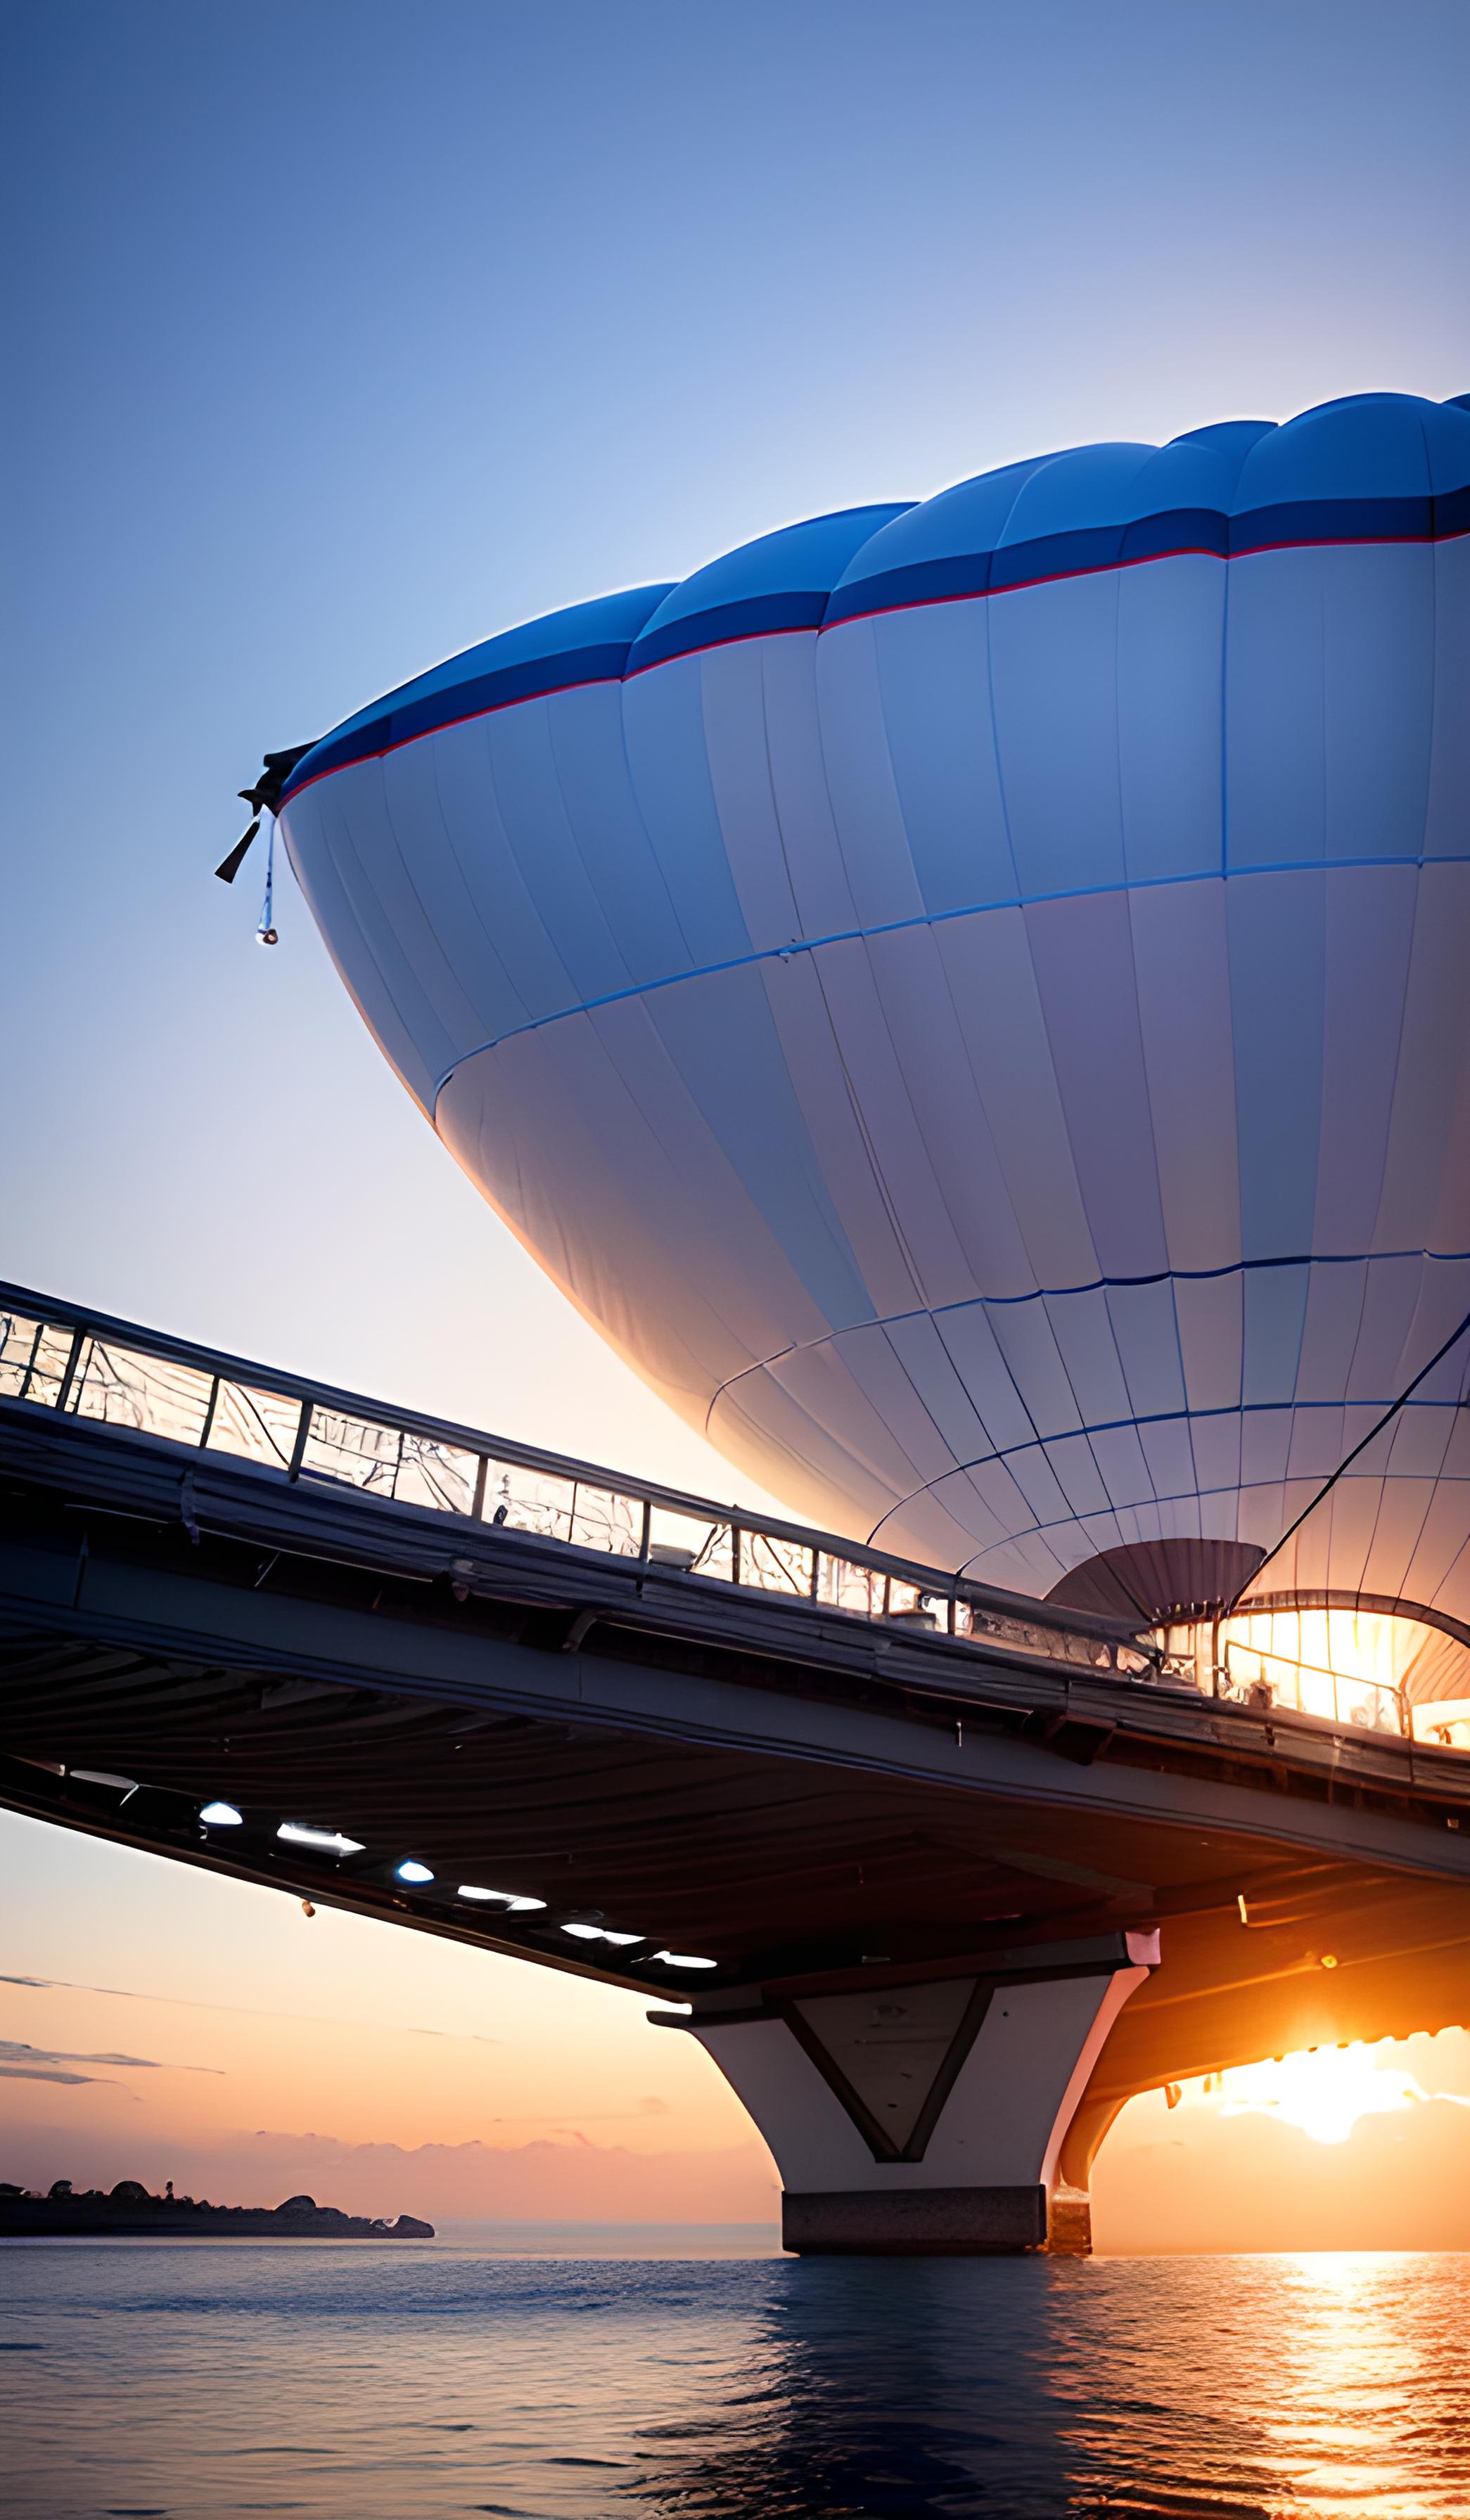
(972,998)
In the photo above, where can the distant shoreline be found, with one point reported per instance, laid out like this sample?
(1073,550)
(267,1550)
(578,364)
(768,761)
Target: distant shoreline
(129,2212)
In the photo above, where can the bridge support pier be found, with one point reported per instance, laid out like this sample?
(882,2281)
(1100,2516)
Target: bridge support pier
(923,2115)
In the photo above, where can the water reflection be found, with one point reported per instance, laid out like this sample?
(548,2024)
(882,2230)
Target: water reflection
(1271,2389)
(1016,2388)
(876,2388)
(360,2385)
(1371,2415)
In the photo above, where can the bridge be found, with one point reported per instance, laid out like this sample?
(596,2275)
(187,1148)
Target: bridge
(939,1875)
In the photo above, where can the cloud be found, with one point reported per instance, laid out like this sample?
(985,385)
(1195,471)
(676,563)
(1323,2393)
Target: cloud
(19,2051)
(44,2074)
(23,2064)
(482,2038)
(569,2176)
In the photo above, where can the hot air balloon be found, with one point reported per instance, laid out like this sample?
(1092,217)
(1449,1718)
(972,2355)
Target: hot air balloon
(972,998)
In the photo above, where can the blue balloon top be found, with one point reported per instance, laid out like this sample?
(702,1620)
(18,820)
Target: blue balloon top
(1371,468)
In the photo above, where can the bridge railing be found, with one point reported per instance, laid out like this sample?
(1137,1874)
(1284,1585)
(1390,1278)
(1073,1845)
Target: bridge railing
(1258,1678)
(116,1373)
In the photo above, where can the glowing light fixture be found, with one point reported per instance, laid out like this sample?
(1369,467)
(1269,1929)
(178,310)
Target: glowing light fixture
(510,1900)
(220,1816)
(610,1936)
(684,1960)
(585,1933)
(410,1871)
(327,1841)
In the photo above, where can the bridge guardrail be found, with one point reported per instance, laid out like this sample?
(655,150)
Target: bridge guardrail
(114,1374)
(1253,1676)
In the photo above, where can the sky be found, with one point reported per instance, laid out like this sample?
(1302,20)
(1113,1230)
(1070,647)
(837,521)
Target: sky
(344,336)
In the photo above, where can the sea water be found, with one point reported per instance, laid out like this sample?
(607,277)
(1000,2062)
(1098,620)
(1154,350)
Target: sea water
(574,2374)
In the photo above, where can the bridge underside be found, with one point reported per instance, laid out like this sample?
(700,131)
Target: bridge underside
(930,1847)
(797,1879)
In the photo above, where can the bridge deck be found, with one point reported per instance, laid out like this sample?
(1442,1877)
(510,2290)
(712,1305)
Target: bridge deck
(789,1785)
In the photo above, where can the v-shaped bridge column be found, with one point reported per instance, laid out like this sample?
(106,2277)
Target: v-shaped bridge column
(925,2116)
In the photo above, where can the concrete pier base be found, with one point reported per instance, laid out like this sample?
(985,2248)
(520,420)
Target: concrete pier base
(1069,2223)
(923,2115)
(915,2221)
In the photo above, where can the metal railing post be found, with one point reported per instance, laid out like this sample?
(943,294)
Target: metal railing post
(30,1363)
(299,1448)
(73,1359)
(207,1429)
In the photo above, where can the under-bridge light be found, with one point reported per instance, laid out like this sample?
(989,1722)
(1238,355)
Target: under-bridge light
(585,1933)
(412,1870)
(623,1939)
(511,1900)
(684,1960)
(220,1816)
(326,1841)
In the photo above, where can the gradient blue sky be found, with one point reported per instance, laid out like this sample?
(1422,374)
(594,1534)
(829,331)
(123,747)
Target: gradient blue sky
(350,333)
(344,334)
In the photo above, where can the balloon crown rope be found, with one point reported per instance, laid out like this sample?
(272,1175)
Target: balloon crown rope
(262,799)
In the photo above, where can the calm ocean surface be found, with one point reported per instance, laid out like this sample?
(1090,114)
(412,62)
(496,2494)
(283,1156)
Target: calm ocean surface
(694,2374)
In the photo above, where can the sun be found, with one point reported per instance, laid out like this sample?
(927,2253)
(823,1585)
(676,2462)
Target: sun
(1322,2090)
